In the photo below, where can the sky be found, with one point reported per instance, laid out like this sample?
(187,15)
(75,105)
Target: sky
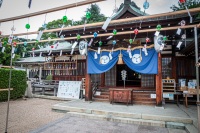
(11,8)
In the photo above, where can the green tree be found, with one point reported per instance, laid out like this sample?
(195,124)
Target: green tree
(6,56)
(96,15)
(189,3)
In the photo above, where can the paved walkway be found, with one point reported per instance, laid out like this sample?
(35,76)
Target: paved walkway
(171,110)
(71,124)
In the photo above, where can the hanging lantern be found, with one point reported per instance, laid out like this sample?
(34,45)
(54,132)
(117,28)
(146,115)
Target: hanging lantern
(114,42)
(182,1)
(78,36)
(165,38)
(27,26)
(14,44)
(158,27)
(147,40)
(135,31)
(88,15)
(114,32)
(130,41)
(100,43)
(95,34)
(64,19)
(146,5)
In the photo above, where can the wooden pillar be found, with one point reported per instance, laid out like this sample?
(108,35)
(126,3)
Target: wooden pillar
(103,75)
(159,82)
(88,88)
(174,75)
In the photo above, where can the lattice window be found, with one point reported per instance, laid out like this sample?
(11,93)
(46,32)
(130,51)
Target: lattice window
(166,67)
(148,80)
(110,77)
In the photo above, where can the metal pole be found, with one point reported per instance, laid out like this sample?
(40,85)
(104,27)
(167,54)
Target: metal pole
(9,88)
(197,76)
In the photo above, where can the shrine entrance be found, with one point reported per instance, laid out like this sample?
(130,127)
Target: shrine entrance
(133,79)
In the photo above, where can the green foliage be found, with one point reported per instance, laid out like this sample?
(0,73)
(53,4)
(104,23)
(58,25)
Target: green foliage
(96,16)
(6,56)
(18,83)
(189,3)
(49,77)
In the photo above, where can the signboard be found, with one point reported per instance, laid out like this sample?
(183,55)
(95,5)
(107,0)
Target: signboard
(153,95)
(69,89)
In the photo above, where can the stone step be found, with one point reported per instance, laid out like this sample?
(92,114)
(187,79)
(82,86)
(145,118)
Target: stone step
(119,119)
(191,128)
(145,102)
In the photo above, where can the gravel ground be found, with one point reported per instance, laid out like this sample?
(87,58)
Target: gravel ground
(26,115)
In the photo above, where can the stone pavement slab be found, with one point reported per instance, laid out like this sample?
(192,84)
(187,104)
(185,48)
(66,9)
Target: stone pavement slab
(71,124)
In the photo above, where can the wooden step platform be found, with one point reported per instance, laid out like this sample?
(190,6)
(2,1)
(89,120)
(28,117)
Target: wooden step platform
(141,97)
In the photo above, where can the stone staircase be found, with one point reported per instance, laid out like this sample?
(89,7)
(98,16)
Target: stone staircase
(138,97)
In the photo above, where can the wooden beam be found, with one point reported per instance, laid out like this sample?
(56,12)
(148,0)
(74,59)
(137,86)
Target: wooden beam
(111,34)
(86,2)
(7,89)
(159,82)
(112,22)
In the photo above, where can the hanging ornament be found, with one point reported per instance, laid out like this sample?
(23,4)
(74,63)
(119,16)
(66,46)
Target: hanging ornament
(95,34)
(158,27)
(135,31)
(182,1)
(0,32)
(5,43)
(130,41)
(147,40)
(144,49)
(159,43)
(88,15)
(114,42)
(100,43)
(78,36)
(183,37)
(164,38)
(33,49)
(29,4)
(27,26)
(14,44)
(64,19)
(114,32)
(25,44)
(1,1)
(182,23)
(52,46)
(146,5)
(44,26)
